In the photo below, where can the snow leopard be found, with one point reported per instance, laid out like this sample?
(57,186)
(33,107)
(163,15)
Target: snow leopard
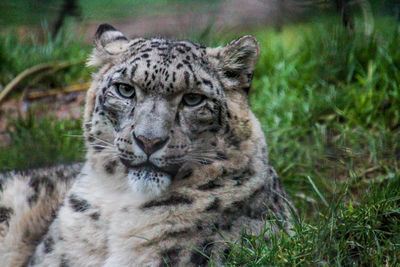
(176,166)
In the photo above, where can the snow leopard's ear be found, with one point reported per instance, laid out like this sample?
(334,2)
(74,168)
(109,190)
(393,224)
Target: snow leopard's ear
(109,43)
(236,61)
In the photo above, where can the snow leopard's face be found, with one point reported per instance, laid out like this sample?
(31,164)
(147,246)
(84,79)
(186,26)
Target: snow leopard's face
(160,107)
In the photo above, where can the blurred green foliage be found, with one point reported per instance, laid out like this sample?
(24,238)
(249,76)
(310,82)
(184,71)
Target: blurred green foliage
(28,12)
(37,142)
(17,55)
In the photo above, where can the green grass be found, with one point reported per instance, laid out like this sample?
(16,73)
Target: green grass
(17,55)
(333,118)
(365,234)
(329,104)
(37,142)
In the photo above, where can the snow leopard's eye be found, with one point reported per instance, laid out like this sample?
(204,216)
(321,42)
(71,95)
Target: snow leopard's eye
(192,99)
(125,90)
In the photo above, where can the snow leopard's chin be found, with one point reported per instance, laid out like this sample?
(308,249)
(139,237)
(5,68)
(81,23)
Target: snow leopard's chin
(148,182)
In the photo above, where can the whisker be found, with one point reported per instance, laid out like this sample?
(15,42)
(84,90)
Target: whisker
(104,141)
(74,135)
(101,145)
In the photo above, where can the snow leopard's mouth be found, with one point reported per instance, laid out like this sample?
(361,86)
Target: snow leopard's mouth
(147,178)
(149,170)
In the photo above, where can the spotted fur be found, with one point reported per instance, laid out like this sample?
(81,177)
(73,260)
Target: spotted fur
(176,167)
(29,202)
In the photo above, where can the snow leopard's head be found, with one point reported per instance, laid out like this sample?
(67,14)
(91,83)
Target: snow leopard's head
(159,109)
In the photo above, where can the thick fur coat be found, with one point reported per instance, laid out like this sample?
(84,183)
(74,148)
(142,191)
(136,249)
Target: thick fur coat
(176,168)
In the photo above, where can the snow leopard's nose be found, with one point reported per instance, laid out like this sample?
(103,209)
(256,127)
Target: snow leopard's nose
(149,146)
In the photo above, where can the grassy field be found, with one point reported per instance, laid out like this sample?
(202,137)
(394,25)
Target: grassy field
(329,102)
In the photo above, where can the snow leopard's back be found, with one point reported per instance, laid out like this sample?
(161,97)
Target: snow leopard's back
(29,201)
